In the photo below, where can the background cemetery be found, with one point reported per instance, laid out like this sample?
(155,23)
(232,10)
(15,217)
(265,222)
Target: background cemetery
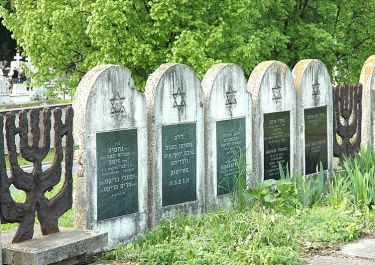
(179,147)
(16,86)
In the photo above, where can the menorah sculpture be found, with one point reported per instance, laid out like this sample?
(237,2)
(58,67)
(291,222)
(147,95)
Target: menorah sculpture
(347,109)
(37,183)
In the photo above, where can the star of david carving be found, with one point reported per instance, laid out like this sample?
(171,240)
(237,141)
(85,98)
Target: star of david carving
(117,104)
(276,94)
(231,97)
(316,90)
(179,99)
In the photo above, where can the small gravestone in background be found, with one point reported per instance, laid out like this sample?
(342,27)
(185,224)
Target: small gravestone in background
(367,79)
(176,158)
(274,116)
(4,98)
(227,130)
(314,116)
(111,130)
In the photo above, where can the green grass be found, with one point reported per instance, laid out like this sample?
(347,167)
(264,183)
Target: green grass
(66,220)
(274,223)
(24,163)
(37,104)
(257,236)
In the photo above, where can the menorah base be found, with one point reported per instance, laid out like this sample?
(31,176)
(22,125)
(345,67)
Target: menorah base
(68,247)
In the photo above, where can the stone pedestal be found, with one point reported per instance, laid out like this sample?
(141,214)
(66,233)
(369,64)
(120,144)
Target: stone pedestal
(367,79)
(110,128)
(274,119)
(19,89)
(66,247)
(176,132)
(314,131)
(227,132)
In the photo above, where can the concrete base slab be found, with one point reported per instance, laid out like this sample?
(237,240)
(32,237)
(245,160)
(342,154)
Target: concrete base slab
(364,248)
(321,260)
(64,246)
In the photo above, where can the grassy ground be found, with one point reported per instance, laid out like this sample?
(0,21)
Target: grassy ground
(279,222)
(36,104)
(257,236)
(66,220)
(24,163)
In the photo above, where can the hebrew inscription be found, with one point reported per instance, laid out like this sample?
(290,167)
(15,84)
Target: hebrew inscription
(179,163)
(315,139)
(276,143)
(230,146)
(117,170)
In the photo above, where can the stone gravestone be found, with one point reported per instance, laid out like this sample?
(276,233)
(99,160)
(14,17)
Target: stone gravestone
(314,116)
(19,89)
(176,158)
(111,131)
(367,79)
(227,130)
(274,116)
(4,98)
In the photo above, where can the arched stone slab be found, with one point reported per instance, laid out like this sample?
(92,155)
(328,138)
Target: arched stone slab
(227,130)
(274,116)
(176,134)
(110,127)
(314,116)
(367,79)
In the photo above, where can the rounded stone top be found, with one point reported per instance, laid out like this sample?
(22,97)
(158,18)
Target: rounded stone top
(172,92)
(368,73)
(302,67)
(87,87)
(154,81)
(212,74)
(260,71)
(266,75)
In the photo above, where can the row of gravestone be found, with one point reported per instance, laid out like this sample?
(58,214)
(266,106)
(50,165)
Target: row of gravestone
(180,147)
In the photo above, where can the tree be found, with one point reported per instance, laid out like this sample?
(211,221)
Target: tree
(7,44)
(65,38)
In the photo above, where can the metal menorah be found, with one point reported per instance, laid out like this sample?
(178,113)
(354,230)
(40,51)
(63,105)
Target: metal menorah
(34,145)
(347,109)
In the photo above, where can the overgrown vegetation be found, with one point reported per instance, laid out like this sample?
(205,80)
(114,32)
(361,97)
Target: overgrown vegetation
(271,224)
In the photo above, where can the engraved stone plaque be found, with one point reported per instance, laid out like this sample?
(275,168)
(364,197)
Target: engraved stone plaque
(315,139)
(230,146)
(179,163)
(276,143)
(117,170)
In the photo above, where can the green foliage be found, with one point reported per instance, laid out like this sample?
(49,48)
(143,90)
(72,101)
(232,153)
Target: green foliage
(224,237)
(67,38)
(310,189)
(328,224)
(280,195)
(258,236)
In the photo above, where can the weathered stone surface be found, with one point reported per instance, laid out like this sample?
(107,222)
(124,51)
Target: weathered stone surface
(176,159)
(364,248)
(314,130)
(367,79)
(227,129)
(111,130)
(322,260)
(52,248)
(274,139)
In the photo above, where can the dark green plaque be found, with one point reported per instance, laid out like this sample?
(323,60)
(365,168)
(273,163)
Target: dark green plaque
(276,143)
(315,139)
(230,146)
(117,172)
(179,163)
